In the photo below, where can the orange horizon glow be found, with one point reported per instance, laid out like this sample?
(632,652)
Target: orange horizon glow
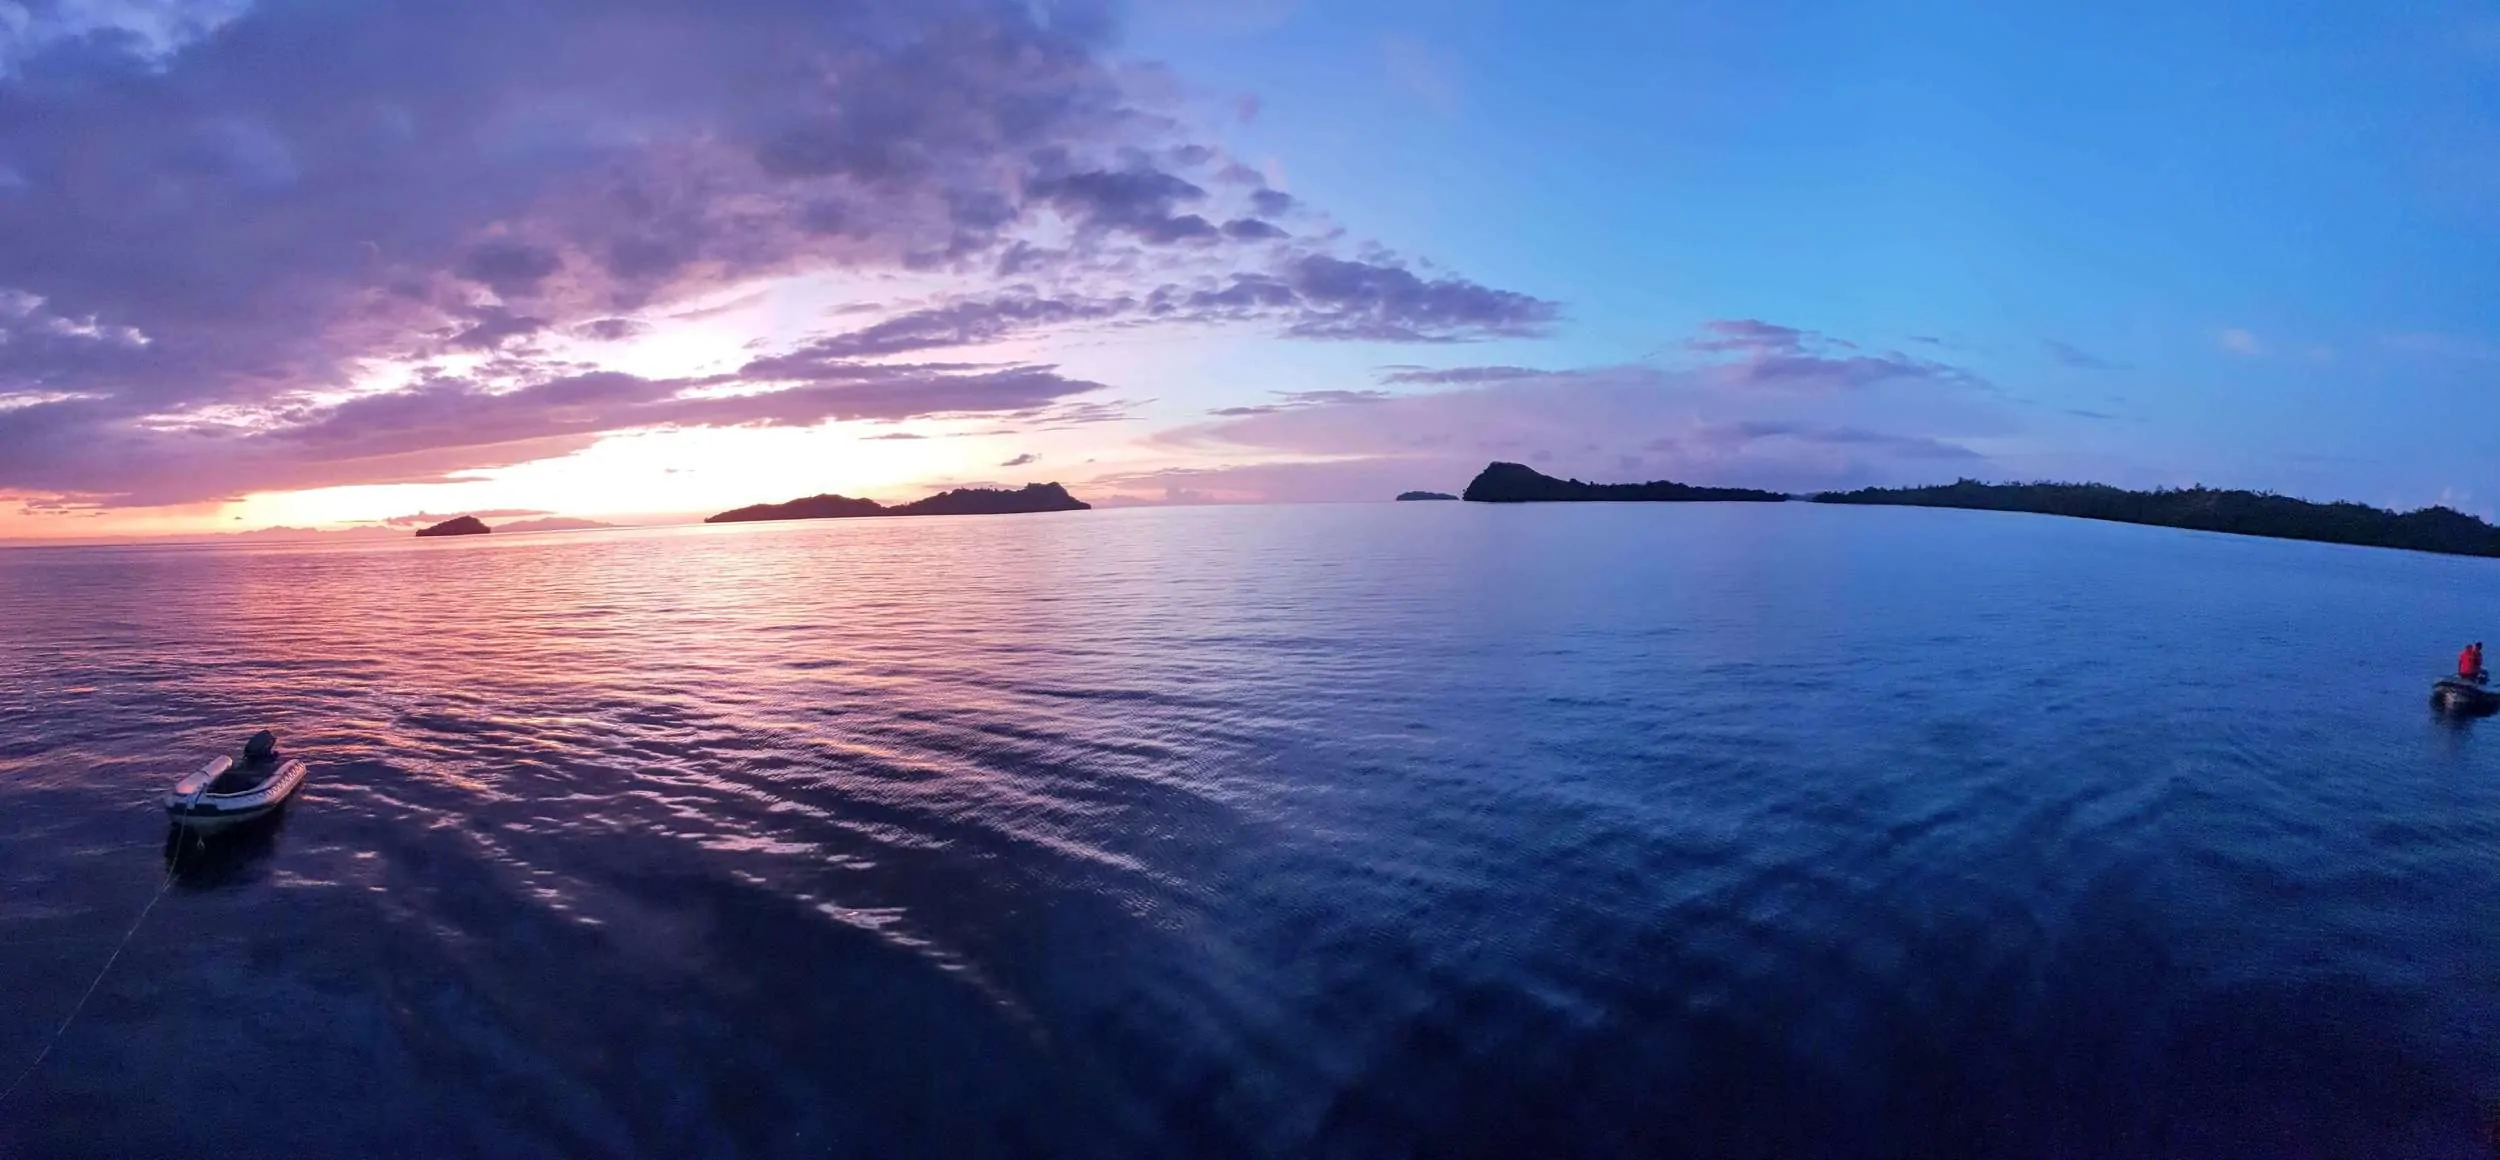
(681,475)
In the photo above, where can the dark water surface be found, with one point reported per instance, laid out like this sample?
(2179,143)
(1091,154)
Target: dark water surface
(1426,829)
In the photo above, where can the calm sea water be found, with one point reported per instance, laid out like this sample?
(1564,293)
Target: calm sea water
(1384,830)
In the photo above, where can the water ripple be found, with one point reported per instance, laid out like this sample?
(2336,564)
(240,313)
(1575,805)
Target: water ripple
(1358,831)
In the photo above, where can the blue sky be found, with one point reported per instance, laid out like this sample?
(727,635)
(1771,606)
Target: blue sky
(328,264)
(2132,180)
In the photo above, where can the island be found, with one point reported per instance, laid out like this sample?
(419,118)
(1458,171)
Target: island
(966,501)
(814,507)
(1409,496)
(456,526)
(2204,509)
(1519,483)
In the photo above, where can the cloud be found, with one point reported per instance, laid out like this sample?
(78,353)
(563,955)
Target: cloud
(444,429)
(1912,422)
(966,322)
(1297,399)
(1748,335)
(1750,353)
(218,220)
(267,209)
(1251,230)
(452,413)
(1727,438)
(1025,460)
(1062,416)
(1460,375)
(2069,355)
(1316,296)
(495,325)
(1381,302)
(2241,343)
(510,269)
(1331,398)
(1308,296)
(1140,201)
(613,329)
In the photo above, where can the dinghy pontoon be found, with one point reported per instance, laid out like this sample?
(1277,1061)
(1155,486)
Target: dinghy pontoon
(228,792)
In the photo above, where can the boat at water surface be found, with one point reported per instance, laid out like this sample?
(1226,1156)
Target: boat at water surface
(2464,698)
(227,792)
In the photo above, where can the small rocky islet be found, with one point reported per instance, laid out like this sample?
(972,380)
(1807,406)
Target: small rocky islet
(456,526)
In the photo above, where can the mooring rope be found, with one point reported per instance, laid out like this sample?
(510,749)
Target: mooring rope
(171,868)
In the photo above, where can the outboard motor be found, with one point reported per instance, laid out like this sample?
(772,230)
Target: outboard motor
(228,792)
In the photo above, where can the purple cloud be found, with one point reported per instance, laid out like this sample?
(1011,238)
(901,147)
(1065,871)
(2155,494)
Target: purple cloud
(967,322)
(510,269)
(1073,413)
(1695,423)
(441,428)
(1749,336)
(1299,399)
(1384,303)
(1331,398)
(204,240)
(1313,297)
(1025,460)
(1316,296)
(1138,201)
(1748,352)
(2069,355)
(495,326)
(1461,375)
(613,329)
(1727,438)
(1251,230)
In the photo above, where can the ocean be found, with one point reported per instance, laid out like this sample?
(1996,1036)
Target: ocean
(1721,830)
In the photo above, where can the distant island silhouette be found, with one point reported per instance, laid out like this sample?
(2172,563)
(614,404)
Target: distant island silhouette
(2247,513)
(457,526)
(1416,495)
(1519,483)
(966,501)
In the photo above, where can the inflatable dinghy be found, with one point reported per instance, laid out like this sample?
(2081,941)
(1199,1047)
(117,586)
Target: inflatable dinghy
(2463,698)
(227,792)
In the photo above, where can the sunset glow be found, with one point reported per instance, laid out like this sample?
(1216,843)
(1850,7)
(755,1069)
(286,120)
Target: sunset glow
(646,270)
(1248,579)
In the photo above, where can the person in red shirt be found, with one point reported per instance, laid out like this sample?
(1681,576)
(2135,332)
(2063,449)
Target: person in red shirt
(2470,663)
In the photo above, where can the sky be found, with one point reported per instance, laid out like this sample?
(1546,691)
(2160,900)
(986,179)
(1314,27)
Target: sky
(345,264)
